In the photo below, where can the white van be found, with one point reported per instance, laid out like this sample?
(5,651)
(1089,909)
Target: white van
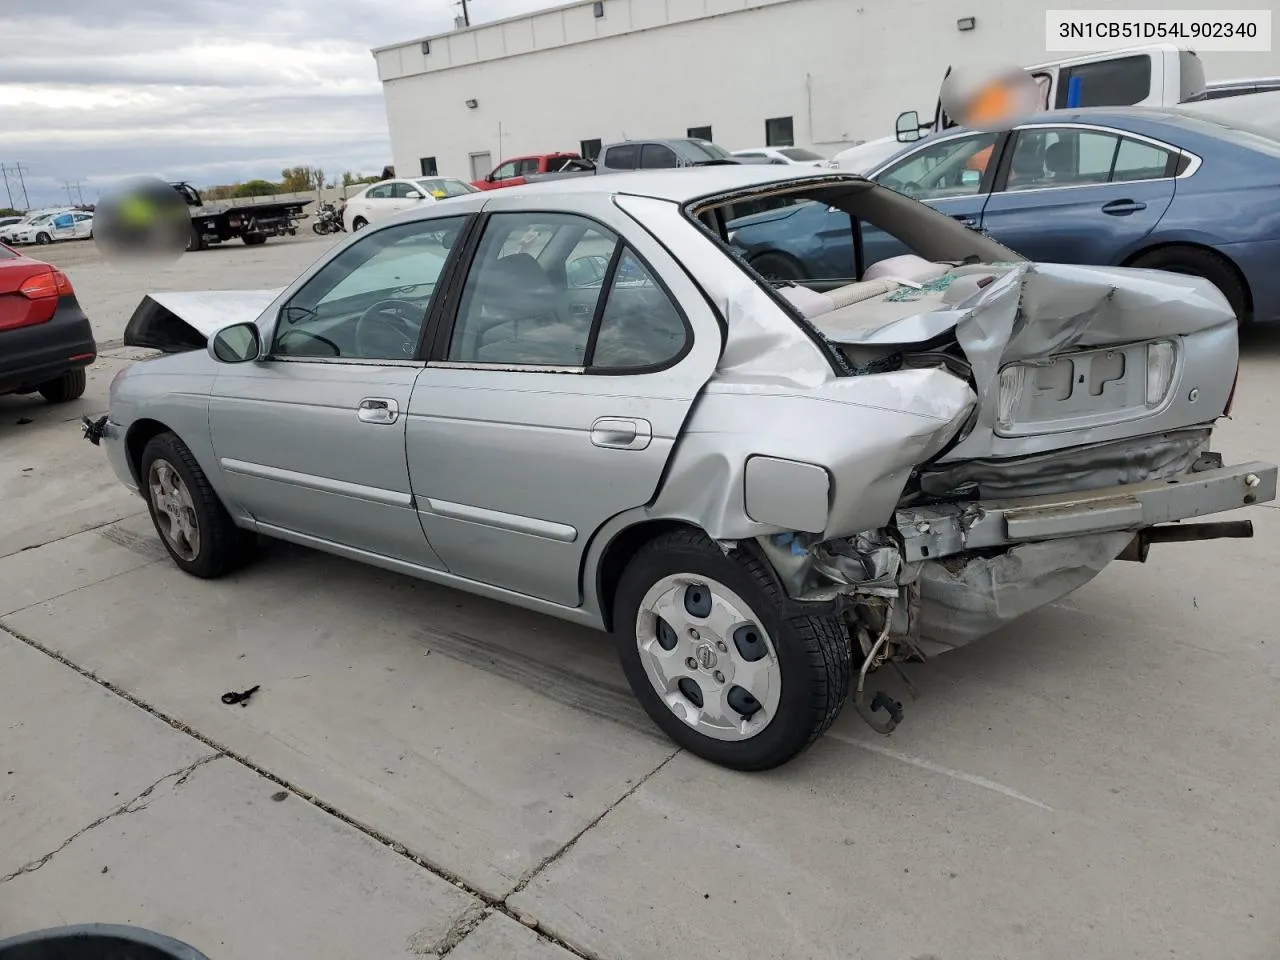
(1159,75)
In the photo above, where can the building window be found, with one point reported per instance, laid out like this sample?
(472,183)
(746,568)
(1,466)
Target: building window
(589,149)
(597,9)
(699,133)
(428,165)
(779,132)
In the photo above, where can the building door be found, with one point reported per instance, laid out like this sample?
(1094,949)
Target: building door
(481,164)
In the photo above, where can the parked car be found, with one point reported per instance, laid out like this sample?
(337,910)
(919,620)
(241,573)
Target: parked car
(1168,189)
(9,221)
(46,341)
(866,156)
(649,155)
(34,228)
(783,156)
(512,173)
(389,197)
(764,492)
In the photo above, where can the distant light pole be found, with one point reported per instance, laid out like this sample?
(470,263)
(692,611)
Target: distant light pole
(466,15)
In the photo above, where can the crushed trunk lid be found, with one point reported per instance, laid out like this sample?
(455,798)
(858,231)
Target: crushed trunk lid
(178,322)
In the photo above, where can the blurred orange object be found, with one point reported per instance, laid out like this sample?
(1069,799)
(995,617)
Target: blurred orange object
(993,104)
(980,159)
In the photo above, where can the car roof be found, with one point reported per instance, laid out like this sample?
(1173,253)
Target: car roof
(680,185)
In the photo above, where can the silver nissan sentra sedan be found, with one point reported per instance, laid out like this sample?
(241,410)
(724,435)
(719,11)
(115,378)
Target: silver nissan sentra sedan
(576,398)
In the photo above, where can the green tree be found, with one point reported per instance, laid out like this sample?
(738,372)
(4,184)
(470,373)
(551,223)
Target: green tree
(296,179)
(255,188)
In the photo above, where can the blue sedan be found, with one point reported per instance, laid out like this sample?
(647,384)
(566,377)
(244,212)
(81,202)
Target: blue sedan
(1166,189)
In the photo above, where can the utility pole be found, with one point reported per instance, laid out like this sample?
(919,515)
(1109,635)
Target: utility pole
(466,15)
(18,169)
(4,172)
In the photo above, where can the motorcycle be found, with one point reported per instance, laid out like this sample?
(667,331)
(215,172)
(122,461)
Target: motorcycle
(328,220)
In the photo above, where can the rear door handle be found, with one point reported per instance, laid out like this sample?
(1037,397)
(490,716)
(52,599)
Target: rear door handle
(378,410)
(1120,208)
(621,433)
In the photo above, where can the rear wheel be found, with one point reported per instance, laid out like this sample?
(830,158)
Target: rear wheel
(254,239)
(1202,263)
(70,386)
(194,526)
(778,268)
(717,659)
(195,239)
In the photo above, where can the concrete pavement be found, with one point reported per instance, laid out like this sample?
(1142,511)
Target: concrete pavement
(1097,781)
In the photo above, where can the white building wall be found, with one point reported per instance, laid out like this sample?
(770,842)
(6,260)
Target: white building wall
(842,69)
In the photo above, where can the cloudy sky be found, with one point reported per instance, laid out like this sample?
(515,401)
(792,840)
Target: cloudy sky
(210,91)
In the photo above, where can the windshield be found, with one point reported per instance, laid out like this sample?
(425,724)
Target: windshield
(799,154)
(712,151)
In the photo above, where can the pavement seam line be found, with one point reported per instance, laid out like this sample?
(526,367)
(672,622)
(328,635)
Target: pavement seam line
(496,903)
(134,805)
(68,536)
(463,924)
(550,860)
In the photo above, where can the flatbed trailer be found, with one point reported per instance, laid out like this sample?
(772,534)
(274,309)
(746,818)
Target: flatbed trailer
(252,223)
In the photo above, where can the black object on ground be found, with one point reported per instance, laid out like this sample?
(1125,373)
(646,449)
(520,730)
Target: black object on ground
(233,697)
(96,941)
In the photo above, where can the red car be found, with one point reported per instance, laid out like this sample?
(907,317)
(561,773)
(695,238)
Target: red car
(46,341)
(512,172)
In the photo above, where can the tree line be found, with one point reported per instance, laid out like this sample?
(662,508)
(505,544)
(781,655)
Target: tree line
(292,180)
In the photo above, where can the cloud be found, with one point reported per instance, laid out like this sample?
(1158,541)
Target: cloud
(209,92)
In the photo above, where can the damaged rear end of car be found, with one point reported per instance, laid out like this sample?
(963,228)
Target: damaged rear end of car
(1011,428)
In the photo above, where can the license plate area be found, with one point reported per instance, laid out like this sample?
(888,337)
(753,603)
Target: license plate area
(1079,390)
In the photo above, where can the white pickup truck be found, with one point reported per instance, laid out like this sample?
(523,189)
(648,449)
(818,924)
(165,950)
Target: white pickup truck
(1159,75)
(1162,74)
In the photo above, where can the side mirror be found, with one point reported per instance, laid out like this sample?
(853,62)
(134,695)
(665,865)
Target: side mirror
(414,195)
(492,178)
(238,343)
(908,127)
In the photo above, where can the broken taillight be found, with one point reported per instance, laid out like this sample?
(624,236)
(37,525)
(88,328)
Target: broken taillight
(35,301)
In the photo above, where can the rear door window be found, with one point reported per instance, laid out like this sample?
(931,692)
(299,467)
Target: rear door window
(623,157)
(656,156)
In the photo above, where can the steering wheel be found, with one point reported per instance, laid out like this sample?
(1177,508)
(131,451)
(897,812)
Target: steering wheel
(911,189)
(389,329)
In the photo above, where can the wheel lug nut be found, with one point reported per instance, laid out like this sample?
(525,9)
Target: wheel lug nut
(719,677)
(691,663)
(722,646)
(693,634)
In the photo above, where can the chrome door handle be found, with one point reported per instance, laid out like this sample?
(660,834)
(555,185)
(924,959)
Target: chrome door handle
(378,410)
(970,222)
(621,433)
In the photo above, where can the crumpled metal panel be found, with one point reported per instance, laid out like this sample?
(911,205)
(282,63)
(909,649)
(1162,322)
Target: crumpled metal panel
(1131,460)
(964,600)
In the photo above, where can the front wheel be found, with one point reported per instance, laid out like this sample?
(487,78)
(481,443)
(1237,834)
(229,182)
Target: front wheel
(717,659)
(194,526)
(359,223)
(254,239)
(43,238)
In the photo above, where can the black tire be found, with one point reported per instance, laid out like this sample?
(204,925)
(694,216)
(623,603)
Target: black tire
(814,653)
(254,239)
(1198,262)
(778,267)
(223,547)
(43,238)
(70,386)
(359,223)
(195,240)
(319,228)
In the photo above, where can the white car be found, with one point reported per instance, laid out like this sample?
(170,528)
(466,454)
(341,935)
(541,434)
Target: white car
(42,228)
(787,156)
(389,197)
(863,156)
